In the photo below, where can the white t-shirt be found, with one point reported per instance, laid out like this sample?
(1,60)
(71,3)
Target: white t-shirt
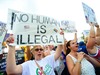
(52,52)
(47,64)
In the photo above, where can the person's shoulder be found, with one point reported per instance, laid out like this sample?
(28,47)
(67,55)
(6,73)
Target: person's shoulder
(67,56)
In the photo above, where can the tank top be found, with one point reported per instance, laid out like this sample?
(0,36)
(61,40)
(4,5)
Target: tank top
(86,67)
(96,55)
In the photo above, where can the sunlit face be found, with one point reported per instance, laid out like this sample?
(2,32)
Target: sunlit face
(73,46)
(38,52)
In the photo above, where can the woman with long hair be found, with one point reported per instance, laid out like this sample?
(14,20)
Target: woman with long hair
(79,63)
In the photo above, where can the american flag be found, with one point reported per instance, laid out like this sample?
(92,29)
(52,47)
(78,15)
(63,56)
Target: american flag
(26,27)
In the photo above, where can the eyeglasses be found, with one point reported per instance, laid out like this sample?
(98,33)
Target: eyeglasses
(38,49)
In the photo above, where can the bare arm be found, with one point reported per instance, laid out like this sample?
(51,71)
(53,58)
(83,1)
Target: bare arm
(12,68)
(75,36)
(64,47)
(29,55)
(91,42)
(98,30)
(59,48)
(97,34)
(58,52)
(74,69)
(92,60)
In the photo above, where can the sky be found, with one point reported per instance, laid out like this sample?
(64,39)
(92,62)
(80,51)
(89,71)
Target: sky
(58,9)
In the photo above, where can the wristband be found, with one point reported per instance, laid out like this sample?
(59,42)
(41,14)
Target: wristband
(78,61)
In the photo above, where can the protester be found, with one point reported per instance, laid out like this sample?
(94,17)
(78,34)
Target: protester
(82,47)
(77,63)
(93,42)
(30,67)
(63,55)
(30,56)
(93,45)
(47,50)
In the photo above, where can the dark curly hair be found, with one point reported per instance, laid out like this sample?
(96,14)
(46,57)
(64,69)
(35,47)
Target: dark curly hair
(68,50)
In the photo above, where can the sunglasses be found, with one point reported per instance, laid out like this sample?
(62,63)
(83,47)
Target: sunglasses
(38,49)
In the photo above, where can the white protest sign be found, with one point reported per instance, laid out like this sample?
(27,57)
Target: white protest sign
(86,32)
(10,17)
(89,14)
(30,29)
(2,33)
(68,26)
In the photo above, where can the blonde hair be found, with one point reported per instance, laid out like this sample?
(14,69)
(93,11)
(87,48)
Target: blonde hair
(86,39)
(33,49)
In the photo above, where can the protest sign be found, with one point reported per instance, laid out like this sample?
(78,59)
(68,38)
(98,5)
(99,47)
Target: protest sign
(2,33)
(89,14)
(10,18)
(68,26)
(61,67)
(31,29)
(86,32)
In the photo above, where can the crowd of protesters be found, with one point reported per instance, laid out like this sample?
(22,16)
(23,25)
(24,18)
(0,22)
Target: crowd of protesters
(81,58)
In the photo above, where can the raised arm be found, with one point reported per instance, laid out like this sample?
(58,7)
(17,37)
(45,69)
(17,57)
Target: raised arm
(59,48)
(64,46)
(97,34)
(12,68)
(58,52)
(75,36)
(91,42)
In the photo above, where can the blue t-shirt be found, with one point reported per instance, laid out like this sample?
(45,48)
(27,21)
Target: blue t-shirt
(82,49)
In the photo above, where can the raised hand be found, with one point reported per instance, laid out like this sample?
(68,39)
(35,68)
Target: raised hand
(9,40)
(97,25)
(62,32)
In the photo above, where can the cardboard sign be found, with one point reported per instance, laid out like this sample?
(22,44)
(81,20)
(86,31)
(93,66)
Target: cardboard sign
(30,29)
(68,26)
(89,14)
(2,33)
